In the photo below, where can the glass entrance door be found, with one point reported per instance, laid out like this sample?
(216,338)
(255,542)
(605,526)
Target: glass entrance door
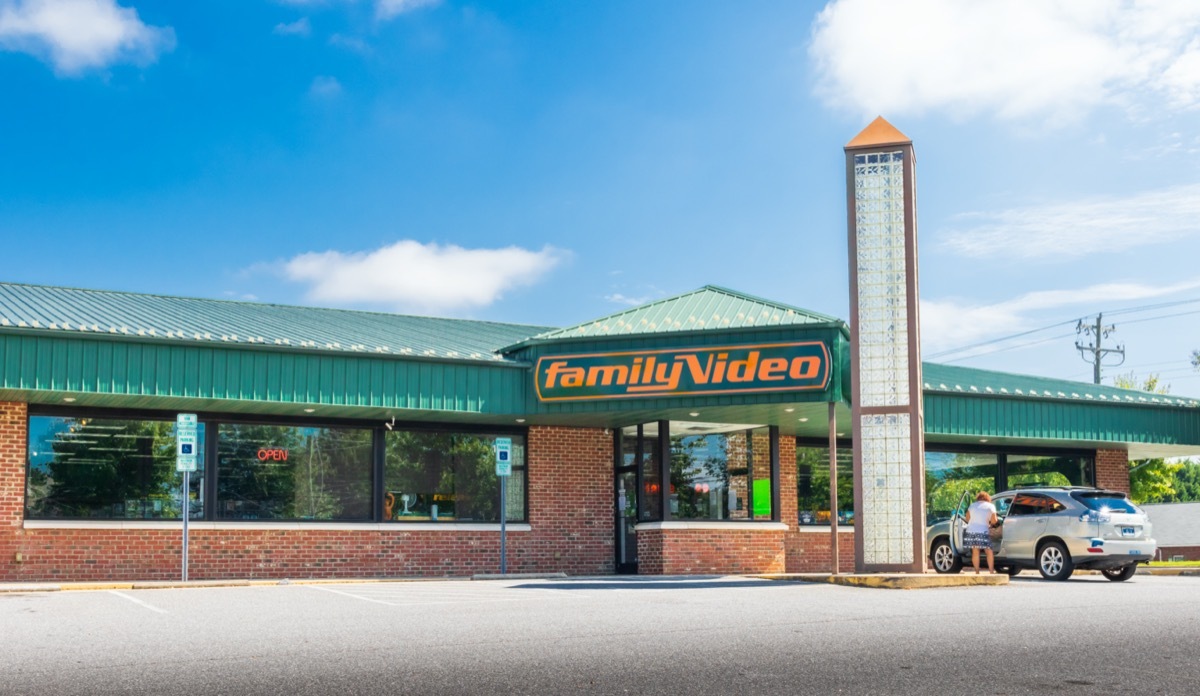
(626,523)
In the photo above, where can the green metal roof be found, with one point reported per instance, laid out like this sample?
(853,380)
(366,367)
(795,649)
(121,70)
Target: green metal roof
(710,308)
(954,379)
(71,312)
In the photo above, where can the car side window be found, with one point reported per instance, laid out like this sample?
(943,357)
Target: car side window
(1033,504)
(1002,505)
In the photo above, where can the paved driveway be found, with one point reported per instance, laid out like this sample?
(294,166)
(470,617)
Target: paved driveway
(608,635)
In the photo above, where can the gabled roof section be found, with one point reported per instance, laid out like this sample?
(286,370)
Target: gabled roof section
(132,316)
(954,379)
(710,308)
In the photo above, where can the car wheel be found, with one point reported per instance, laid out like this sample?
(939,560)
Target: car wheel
(944,558)
(1011,571)
(1054,562)
(1120,574)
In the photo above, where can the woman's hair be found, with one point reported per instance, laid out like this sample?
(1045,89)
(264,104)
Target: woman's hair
(983,496)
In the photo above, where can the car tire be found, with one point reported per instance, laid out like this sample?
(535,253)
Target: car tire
(1120,574)
(1011,571)
(1054,561)
(943,557)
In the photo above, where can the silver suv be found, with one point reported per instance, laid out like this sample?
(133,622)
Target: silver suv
(1054,529)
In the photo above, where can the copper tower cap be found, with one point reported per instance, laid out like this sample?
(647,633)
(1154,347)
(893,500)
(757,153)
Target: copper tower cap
(880,132)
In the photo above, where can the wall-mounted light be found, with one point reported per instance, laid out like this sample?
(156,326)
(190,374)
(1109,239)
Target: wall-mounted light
(390,425)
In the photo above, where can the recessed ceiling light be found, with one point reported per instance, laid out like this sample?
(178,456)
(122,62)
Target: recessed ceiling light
(309,410)
(693,414)
(841,434)
(69,399)
(788,410)
(983,439)
(520,420)
(803,420)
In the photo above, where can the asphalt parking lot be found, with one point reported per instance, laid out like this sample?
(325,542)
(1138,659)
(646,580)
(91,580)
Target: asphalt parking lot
(606,635)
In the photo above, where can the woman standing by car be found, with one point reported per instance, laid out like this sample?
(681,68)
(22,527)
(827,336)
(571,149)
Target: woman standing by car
(980,518)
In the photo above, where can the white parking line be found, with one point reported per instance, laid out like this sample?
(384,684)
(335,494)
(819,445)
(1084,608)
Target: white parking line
(138,601)
(352,596)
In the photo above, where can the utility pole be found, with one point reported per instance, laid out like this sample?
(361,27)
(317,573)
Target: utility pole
(1097,353)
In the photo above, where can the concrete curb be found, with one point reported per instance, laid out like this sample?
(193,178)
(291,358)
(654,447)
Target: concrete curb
(894,581)
(519,576)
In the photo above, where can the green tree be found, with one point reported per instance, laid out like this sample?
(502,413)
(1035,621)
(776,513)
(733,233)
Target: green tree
(1150,480)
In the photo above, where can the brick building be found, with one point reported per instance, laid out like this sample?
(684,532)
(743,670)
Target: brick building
(689,435)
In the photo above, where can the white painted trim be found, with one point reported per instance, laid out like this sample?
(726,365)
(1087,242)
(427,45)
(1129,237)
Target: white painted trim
(723,526)
(818,529)
(250,526)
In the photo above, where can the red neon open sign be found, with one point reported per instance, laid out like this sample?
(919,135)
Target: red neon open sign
(272,454)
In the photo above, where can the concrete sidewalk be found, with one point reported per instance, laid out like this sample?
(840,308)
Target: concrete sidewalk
(881,580)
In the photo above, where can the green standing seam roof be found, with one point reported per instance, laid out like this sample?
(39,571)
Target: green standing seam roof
(954,379)
(77,313)
(710,308)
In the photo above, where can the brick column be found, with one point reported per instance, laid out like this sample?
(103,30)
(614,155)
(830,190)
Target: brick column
(13,441)
(571,502)
(1112,470)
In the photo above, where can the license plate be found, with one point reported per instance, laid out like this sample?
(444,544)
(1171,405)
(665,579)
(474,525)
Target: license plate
(1128,531)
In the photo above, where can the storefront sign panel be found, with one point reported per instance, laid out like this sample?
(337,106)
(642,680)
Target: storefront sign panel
(743,369)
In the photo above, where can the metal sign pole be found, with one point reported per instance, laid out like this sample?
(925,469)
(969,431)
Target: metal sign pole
(187,475)
(503,517)
(187,453)
(503,470)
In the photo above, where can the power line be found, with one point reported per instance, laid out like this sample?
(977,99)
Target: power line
(1000,340)
(1007,348)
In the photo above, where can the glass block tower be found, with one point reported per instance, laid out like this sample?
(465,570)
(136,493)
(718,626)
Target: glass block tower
(889,495)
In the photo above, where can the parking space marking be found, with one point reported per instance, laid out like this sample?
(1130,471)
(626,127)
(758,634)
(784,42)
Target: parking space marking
(137,601)
(352,596)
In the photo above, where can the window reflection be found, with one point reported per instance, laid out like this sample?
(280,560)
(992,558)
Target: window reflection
(106,468)
(271,472)
(812,483)
(449,477)
(720,472)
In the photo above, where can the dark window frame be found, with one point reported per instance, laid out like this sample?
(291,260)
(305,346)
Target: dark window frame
(213,419)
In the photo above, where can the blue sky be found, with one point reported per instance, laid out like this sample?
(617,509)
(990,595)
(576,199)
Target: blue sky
(552,162)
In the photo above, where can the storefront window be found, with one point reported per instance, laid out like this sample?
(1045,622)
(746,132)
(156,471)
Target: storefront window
(105,468)
(449,477)
(720,472)
(272,472)
(950,474)
(812,483)
(1031,470)
(650,500)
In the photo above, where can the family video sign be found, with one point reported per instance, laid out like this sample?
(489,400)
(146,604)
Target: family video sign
(744,369)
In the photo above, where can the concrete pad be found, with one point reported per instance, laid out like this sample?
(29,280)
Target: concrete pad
(895,581)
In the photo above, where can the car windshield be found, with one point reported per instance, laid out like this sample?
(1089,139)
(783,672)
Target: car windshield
(1106,502)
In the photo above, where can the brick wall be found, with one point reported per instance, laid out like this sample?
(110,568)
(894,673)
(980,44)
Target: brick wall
(570,509)
(1112,470)
(1189,553)
(699,551)
(812,551)
(13,423)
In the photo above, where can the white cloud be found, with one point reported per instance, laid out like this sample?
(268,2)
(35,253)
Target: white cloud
(300,27)
(412,276)
(384,9)
(618,298)
(1079,228)
(953,323)
(1018,59)
(325,87)
(387,9)
(78,35)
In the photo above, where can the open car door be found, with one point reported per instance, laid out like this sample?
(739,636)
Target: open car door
(958,522)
